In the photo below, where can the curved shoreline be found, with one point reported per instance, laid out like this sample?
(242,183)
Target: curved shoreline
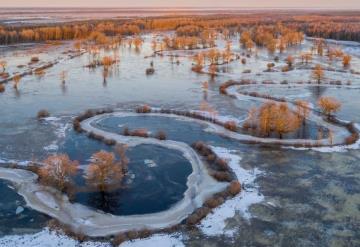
(95,223)
(339,131)
(249,139)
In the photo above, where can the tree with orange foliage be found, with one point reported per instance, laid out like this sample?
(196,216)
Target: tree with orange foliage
(272,117)
(266,114)
(329,105)
(290,61)
(3,65)
(318,73)
(105,172)
(306,57)
(199,60)
(77,45)
(58,171)
(346,60)
(137,43)
(63,75)
(249,45)
(284,121)
(16,80)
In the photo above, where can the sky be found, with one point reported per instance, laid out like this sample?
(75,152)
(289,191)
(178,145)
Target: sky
(351,4)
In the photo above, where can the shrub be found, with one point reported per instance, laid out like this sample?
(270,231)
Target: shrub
(4,75)
(351,139)
(161,135)
(77,125)
(126,131)
(231,125)
(132,234)
(150,71)
(211,158)
(234,188)
(34,59)
(214,202)
(198,215)
(197,68)
(285,68)
(110,142)
(140,133)
(243,60)
(222,164)
(43,114)
(144,233)
(94,136)
(222,176)
(143,109)
(119,239)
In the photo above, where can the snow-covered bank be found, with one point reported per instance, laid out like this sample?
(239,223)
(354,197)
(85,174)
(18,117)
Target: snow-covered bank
(46,238)
(54,239)
(158,240)
(215,223)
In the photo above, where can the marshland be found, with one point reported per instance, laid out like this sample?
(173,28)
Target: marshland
(195,128)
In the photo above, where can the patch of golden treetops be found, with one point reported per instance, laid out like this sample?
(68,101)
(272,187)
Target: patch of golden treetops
(272,117)
(104,173)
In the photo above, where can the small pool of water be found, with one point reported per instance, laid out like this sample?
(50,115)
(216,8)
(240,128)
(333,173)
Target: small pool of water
(156,179)
(176,129)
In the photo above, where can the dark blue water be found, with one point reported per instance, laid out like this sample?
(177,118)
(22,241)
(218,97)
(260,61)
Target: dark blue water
(156,179)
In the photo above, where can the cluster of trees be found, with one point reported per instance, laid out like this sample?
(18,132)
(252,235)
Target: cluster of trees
(321,48)
(188,41)
(213,57)
(335,26)
(277,118)
(90,30)
(273,37)
(104,173)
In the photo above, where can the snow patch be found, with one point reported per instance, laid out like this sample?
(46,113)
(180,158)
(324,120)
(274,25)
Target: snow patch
(19,210)
(47,199)
(158,240)
(52,147)
(150,163)
(215,223)
(46,238)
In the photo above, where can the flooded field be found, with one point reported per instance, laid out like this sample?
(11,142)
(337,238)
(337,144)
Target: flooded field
(290,196)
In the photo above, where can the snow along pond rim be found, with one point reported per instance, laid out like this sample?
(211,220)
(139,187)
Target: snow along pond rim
(95,223)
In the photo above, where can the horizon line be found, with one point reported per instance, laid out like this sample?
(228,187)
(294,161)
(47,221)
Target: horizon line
(188,7)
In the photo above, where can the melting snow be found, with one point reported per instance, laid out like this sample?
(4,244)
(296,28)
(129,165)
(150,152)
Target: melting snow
(215,223)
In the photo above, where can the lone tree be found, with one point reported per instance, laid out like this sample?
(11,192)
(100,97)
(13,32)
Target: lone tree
(63,76)
(346,60)
(3,65)
(290,61)
(58,171)
(329,105)
(16,80)
(318,73)
(105,172)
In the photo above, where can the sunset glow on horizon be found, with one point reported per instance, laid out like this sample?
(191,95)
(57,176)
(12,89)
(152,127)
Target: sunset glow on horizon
(353,4)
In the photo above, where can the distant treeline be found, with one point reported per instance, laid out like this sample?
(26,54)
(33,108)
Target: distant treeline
(335,26)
